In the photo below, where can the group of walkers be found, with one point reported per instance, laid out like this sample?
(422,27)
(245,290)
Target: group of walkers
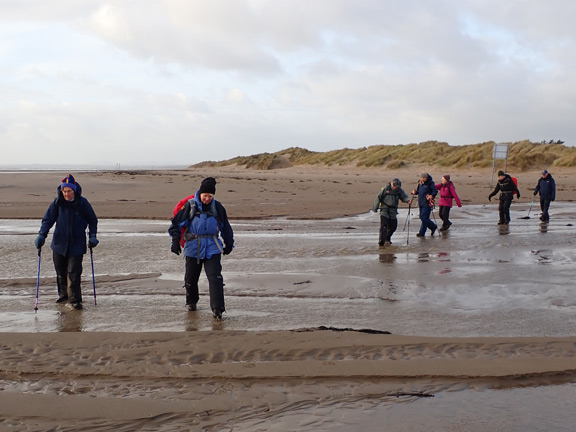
(196,227)
(426,191)
(200,228)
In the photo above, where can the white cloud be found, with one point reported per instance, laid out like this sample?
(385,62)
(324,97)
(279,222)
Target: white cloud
(173,80)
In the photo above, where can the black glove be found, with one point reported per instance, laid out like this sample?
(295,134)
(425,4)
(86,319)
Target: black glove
(92,242)
(175,247)
(518,195)
(39,241)
(490,198)
(535,193)
(227,249)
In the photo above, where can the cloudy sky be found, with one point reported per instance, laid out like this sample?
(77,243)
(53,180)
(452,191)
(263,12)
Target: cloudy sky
(182,81)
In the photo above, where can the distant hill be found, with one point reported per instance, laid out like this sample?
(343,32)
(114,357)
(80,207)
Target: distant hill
(522,155)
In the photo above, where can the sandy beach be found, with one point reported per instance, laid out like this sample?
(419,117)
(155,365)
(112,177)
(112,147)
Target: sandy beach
(304,192)
(469,331)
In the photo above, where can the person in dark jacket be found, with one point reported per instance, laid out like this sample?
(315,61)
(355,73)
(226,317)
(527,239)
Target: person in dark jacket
(72,214)
(546,187)
(507,189)
(387,202)
(203,220)
(426,191)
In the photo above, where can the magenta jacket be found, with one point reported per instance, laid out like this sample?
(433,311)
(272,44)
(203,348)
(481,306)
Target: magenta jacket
(447,192)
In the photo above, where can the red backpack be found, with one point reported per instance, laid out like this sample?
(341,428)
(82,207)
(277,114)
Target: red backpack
(515,180)
(181,204)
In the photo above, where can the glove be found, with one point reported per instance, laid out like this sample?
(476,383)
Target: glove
(93,242)
(535,193)
(175,247)
(39,241)
(490,198)
(227,249)
(518,195)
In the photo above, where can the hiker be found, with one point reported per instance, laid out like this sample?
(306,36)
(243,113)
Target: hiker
(203,219)
(546,187)
(387,202)
(72,214)
(426,191)
(447,194)
(507,188)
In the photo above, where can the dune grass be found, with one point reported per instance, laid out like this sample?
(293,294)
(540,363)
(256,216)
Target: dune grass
(522,155)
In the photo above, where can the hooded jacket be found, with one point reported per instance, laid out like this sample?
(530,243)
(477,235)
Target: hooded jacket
(71,219)
(447,193)
(425,189)
(388,200)
(546,187)
(203,229)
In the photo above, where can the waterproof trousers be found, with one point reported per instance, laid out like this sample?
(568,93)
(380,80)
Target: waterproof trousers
(387,228)
(213,270)
(444,212)
(504,209)
(544,206)
(68,277)
(425,212)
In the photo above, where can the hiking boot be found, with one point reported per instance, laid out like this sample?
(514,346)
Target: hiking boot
(419,235)
(501,222)
(74,306)
(191,307)
(388,241)
(433,231)
(62,300)
(217,314)
(381,243)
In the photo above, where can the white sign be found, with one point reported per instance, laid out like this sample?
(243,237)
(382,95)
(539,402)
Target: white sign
(500,151)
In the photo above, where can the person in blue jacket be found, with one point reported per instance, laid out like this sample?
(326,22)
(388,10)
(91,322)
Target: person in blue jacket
(546,187)
(72,214)
(200,222)
(426,191)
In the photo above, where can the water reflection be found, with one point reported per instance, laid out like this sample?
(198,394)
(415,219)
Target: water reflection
(70,320)
(503,229)
(388,258)
(543,227)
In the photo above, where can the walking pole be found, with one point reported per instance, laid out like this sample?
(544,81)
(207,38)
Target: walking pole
(528,217)
(93,280)
(38,280)
(408,220)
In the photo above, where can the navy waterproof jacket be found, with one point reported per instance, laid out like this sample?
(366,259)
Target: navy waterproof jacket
(423,190)
(547,188)
(71,219)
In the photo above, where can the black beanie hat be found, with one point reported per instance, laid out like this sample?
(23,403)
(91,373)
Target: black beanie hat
(501,173)
(208,185)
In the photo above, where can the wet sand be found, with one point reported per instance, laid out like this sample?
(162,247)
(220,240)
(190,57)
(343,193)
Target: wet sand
(470,331)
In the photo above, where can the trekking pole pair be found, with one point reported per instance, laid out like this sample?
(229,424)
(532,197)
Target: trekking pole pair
(38,278)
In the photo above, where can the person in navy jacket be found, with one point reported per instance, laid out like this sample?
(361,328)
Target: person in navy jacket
(72,214)
(546,187)
(426,191)
(203,219)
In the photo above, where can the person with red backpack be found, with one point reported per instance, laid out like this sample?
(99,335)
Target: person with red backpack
(447,193)
(200,223)
(507,188)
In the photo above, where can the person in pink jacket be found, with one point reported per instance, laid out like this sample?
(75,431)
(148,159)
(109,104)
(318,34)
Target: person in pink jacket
(447,192)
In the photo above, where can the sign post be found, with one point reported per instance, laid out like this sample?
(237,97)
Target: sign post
(500,151)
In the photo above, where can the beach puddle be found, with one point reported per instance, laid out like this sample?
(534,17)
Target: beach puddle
(477,280)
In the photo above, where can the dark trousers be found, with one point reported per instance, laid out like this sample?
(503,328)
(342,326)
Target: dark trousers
(213,270)
(387,228)
(425,211)
(68,276)
(504,209)
(545,206)
(444,212)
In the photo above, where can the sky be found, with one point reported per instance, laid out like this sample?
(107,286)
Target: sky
(177,82)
